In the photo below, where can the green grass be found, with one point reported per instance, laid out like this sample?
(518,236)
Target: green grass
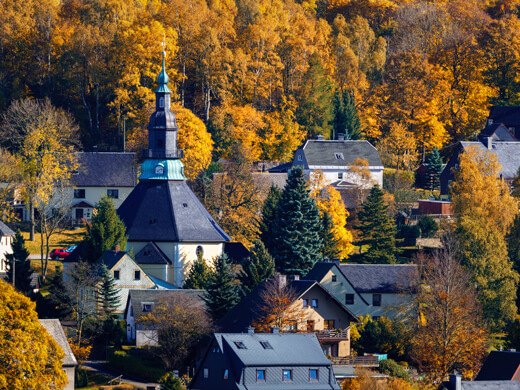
(136,362)
(96,379)
(58,240)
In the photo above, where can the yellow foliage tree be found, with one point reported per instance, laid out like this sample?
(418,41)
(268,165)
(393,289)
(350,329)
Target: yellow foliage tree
(30,358)
(399,148)
(281,136)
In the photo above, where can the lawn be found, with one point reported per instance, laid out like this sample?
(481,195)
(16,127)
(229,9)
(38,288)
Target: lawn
(58,240)
(136,362)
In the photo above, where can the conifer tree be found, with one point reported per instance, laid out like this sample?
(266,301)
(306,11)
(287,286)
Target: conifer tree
(257,268)
(108,294)
(58,300)
(19,264)
(346,119)
(268,213)
(222,290)
(330,244)
(105,232)
(435,165)
(198,275)
(296,232)
(376,229)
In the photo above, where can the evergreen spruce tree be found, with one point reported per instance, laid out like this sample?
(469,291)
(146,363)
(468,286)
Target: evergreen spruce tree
(105,232)
(58,300)
(377,229)
(330,244)
(222,291)
(257,268)
(108,294)
(315,99)
(268,213)
(346,119)
(198,275)
(296,232)
(435,165)
(18,263)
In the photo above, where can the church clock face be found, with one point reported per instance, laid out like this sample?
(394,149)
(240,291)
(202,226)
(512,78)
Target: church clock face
(159,170)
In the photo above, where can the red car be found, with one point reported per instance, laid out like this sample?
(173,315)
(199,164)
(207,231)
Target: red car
(59,253)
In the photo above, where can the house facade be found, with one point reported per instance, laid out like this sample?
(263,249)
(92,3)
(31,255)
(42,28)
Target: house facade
(139,303)
(6,241)
(236,361)
(368,289)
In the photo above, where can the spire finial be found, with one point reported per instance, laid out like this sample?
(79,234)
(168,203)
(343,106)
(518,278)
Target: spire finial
(163,78)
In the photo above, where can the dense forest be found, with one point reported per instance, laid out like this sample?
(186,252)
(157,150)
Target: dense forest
(268,73)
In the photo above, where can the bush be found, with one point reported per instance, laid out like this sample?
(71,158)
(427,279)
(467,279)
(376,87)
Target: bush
(137,363)
(409,234)
(81,377)
(394,369)
(171,382)
(427,226)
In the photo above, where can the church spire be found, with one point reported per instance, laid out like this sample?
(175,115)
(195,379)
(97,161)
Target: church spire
(162,78)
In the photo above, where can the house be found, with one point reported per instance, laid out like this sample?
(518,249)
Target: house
(236,361)
(508,116)
(162,214)
(456,383)
(500,365)
(374,289)
(6,241)
(140,302)
(319,313)
(126,272)
(507,153)
(69,363)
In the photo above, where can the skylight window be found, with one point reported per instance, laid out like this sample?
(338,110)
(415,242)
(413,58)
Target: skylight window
(240,345)
(266,345)
(339,156)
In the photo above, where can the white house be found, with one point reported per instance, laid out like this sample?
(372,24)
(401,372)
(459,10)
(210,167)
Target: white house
(6,241)
(139,303)
(374,289)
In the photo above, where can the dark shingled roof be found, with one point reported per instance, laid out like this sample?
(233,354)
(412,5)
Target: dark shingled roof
(319,270)
(322,152)
(105,169)
(499,365)
(151,254)
(110,258)
(381,278)
(160,210)
(5,230)
(55,329)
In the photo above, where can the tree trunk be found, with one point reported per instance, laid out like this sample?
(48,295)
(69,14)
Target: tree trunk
(31,216)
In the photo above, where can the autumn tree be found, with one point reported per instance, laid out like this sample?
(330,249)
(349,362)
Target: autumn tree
(481,231)
(181,323)
(399,148)
(450,332)
(258,267)
(10,175)
(20,331)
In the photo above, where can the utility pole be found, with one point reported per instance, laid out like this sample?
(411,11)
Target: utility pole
(124,133)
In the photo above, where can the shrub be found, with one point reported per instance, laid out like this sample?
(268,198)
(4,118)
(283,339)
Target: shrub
(394,369)
(409,234)
(427,226)
(171,382)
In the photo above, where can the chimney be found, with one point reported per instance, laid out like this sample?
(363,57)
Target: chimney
(296,277)
(455,381)
(320,137)
(250,330)
(281,279)
(275,330)
(117,248)
(489,143)
(341,136)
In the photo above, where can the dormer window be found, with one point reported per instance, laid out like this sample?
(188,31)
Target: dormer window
(300,157)
(159,169)
(339,156)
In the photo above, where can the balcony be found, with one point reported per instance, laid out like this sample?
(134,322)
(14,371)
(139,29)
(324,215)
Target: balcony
(333,335)
(358,361)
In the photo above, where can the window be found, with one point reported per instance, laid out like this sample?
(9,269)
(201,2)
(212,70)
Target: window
(349,299)
(314,303)
(226,373)
(116,275)
(339,156)
(240,345)
(266,345)
(159,169)
(260,375)
(300,157)
(137,275)
(147,307)
(340,175)
(329,324)
(310,325)
(79,193)
(114,194)
(287,375)
(376,299)
(292,326)
(305,302)
(206,373)
(314,375)
(334,278)
(199,251)
(160,143)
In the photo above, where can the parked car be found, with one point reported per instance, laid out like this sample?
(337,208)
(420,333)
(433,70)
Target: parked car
(59,253)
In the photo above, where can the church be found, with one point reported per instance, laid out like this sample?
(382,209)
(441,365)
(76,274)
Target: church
(166,224)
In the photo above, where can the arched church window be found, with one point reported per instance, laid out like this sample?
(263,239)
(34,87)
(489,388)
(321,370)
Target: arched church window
(199,251)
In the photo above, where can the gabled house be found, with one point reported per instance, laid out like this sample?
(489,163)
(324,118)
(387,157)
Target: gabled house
(374,289)
(141,302)
(69,362)
(508,116)
(264,361)
(6,241)
(319,312)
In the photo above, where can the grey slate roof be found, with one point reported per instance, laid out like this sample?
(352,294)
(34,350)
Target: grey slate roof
(105,169)
(319,270)
(5,230)
(160,210)
(54,328)
(508,155)
(322,152)
(110,258)
(151,254)
(288,349)
(499,365)
(381,278)
(484,385)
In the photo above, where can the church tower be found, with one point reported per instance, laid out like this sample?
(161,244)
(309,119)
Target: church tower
(166,224)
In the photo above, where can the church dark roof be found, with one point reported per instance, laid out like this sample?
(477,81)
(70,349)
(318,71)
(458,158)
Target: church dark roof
(151,254)
(168,210)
